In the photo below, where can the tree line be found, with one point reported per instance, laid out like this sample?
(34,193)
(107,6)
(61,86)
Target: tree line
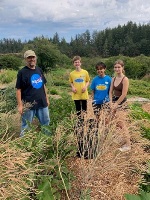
(127,40)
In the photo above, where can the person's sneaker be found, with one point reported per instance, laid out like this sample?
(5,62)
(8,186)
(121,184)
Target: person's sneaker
(125,148)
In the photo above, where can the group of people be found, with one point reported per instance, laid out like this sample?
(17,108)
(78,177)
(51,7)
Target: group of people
(31,88)
(105,90)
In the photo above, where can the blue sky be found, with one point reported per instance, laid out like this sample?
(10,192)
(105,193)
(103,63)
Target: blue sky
(30,18)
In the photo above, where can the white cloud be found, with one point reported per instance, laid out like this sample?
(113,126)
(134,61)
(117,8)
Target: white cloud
(71,14)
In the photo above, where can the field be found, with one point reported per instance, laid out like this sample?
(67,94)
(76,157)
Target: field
(44,167)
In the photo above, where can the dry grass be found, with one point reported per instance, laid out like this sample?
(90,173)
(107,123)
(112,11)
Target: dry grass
(111,173)
(15,172)
(146,107)
(15,182)
(10,124)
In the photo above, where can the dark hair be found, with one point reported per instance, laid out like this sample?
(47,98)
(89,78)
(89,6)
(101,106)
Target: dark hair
(100,64)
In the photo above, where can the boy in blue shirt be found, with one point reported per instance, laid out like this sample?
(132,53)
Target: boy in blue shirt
(100,88)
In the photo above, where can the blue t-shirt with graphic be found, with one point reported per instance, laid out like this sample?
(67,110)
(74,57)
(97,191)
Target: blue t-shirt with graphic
(31,82)
(101,86)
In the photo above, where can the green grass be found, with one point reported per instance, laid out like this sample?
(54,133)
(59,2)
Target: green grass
(54,92)
(60,109)
(7,76)
(58,80)
(139,88)
(45,152)
(145,131)
(138,113)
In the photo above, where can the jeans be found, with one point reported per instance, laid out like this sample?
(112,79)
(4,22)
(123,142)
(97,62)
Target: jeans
(27,117)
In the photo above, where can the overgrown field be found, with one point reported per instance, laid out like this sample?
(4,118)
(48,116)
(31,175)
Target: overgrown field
(42,167)
(58,82)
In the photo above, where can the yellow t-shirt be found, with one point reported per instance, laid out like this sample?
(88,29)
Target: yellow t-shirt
(79,79)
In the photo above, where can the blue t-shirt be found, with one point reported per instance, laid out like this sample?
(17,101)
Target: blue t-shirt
(101,86)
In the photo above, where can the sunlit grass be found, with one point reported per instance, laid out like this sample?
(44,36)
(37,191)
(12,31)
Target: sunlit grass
(139,88)
(7,76)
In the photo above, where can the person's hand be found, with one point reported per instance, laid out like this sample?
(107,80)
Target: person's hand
(83,89)
(74,90)
(115,106)
(113,109)
(20,109)
(48,103)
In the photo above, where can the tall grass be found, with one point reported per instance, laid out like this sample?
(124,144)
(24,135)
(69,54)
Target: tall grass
(15,172)
(39,161)
(110,173)
(41,156)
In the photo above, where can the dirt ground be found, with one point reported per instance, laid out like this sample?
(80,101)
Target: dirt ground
(113,173)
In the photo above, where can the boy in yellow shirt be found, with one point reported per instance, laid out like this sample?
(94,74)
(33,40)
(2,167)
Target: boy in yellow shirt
(79,80)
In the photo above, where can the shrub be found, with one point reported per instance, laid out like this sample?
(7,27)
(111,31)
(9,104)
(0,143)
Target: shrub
(48,54)
(139,88)
(8,97)
(10,62)
(60,109)
(146,77)
(7,76)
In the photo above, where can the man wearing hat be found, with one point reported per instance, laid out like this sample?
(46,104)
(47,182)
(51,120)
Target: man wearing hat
(31,93)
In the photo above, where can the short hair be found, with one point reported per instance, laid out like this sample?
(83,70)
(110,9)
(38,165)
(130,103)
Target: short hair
(75,58)
(100,64)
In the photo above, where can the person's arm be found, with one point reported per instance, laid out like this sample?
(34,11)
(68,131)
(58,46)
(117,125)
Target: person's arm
(74,90)
(45,89)
(111,91)
(124,90)
(87,82)
(85,87)
(19,101)
(47,99)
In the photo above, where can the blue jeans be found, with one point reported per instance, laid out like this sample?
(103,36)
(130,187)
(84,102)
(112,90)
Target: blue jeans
(27,117)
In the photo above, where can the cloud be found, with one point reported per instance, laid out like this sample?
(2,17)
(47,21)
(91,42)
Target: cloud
(64,16)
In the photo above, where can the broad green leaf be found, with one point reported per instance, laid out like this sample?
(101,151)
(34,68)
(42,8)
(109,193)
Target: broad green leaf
(142,196)
(46,193)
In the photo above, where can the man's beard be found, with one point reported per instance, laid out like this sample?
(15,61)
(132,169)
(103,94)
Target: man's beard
(31,66)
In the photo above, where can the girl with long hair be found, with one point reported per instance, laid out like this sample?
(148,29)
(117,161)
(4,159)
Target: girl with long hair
(117,94)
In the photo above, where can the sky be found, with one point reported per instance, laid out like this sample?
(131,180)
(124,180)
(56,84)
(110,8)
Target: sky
(26,19)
